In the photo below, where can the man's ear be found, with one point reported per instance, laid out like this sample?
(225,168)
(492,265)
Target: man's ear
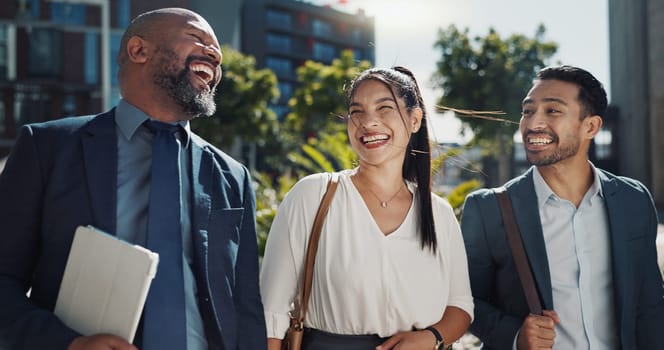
(416,115)
(138,49)
(592,125)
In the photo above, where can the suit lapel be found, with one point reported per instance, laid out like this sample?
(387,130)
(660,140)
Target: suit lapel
(526,210)
(201,170)
(100,155)
(203,184)
(620,263)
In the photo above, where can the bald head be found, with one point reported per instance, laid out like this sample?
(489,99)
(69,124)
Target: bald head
(170,63)
(148,24)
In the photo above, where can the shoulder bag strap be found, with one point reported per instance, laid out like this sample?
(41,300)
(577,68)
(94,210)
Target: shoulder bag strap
(312,247)
(518,252)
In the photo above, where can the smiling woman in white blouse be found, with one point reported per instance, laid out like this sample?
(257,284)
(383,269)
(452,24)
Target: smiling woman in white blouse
(391,269)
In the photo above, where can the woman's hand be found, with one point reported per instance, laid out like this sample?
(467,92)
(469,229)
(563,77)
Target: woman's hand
(415,340)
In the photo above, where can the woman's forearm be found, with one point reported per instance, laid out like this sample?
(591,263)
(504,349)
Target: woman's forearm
(273,344)
(453,325)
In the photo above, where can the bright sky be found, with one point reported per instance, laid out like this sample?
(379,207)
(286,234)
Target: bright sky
(407,29)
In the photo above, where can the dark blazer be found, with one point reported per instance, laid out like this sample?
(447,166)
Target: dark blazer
(62,174)
(500,304)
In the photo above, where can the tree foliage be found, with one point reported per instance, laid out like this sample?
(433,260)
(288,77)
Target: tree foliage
(320,99)
(327,153)
(269,194)
(242,104)
(489,73)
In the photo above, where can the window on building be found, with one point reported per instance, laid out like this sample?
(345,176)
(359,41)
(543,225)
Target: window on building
(279,43)
(65,13)
(4,52)
(280,66)
(356,35)
(33,8)
(31,106)
(91,58)
(45,53)
(286,90)
(69,105)
(323,52)
(603,141)
(115,95)
(2,117)
(357,54)
(280,110)
(279,19)
(123,14)
(115,49)
(322,28)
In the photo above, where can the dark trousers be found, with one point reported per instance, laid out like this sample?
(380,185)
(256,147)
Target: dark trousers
(314,339)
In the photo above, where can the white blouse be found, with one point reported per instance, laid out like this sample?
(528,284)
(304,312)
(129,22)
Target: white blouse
(364,281)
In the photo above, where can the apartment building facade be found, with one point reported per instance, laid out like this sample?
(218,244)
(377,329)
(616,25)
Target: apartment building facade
(283,34)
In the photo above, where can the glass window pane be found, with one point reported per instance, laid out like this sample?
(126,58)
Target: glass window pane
(278,43)
(3,52)
(279,19)
(45,53)
(123,13)
(279,66)
(322,28)
(91,58)
(323,52)
(65,13)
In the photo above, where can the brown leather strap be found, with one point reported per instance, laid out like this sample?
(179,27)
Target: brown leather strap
(518,252)
(312,247)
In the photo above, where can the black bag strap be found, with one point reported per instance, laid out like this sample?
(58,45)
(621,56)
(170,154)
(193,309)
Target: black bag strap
(518,252)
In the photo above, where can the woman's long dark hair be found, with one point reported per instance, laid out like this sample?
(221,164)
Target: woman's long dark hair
(417,163)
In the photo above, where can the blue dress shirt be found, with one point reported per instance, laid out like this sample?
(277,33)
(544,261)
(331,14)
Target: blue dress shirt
(133,191)
(579,255)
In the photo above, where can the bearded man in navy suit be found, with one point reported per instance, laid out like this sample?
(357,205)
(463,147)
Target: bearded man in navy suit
(589,236)
(95,170)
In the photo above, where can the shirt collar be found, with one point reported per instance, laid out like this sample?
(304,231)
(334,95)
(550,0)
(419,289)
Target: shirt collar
(542,189)
(596,188)
(129,118)
(544,192)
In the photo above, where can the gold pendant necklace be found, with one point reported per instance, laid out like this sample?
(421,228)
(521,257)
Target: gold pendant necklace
(383,203)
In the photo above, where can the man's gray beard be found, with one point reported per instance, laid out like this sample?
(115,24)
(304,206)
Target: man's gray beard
(178,86)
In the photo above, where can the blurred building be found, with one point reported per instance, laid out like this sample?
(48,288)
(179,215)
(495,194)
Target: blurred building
(460,164)
(50,58)
(636,32)
(283,34)
(51,50)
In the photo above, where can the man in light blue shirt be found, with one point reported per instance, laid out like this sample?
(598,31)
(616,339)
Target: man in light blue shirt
(589,235)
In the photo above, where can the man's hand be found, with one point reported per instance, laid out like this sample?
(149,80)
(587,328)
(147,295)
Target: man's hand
(409,341)
(100,342)
(538,332)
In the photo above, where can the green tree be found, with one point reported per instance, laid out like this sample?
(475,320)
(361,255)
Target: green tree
(242,114)
(328,154)
(320,99)
(269,195)
(490,73)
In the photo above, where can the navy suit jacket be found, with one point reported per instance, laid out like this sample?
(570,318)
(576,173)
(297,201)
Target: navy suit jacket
(500,304)
(62,174)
